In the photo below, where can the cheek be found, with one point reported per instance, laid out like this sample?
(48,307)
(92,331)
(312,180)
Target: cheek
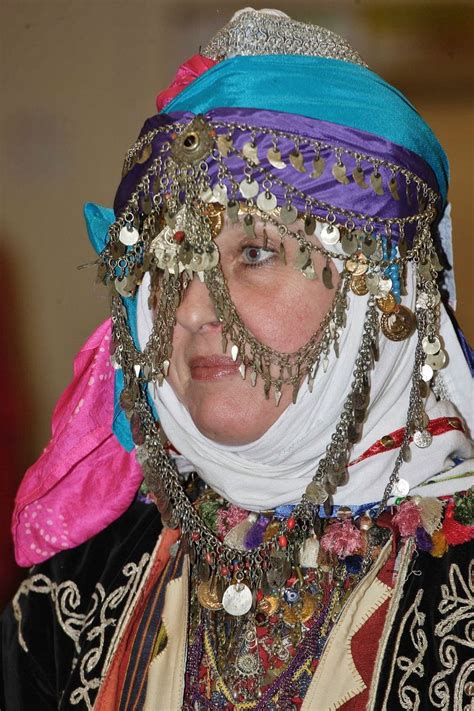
(286,316)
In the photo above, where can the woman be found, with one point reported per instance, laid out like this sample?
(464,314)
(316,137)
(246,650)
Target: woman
(289,385)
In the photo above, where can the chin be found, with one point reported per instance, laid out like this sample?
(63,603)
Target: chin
(232,419)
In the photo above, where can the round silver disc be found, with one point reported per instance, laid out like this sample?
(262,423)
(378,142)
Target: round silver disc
(401,488)
(437,360)
(128,236)
(237,599)
(431,345)
(426,372)
(249,189)
(422,438)
(266,202)
(330,235)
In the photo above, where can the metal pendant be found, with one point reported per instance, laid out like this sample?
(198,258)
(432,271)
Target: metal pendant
(302,257)
(399,324)
(249,188)
(369,245)
(401,488)
(249,225)
(318,167)
(237,599)
(422,438)
(288,214)
(224,144)
(359,178)
(220,194)
(274,158)
(431,344)
(349,242)
(359,285)
(393,187)
(249,150)
(266,201)
(309,225)
(387,303)
(327,277)
(316,492)
(144,154)
(376,183)
(208,595)
(308,556)
(129,235)
(297,161)
(233,211)
(330,235)
(437,360)
(339,172)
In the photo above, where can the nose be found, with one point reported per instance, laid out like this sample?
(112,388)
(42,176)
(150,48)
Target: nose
(196,311)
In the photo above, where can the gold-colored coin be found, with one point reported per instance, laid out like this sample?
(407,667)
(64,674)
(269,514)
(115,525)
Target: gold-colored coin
(359,285)
(357,266)
(308,607)
(387,304)
(399,324)
(208,595)
(290,615)
(269,605)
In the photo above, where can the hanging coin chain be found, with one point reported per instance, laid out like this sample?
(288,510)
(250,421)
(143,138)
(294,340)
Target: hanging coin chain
(162,480)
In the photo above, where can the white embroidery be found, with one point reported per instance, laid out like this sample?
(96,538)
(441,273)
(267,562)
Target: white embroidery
(457,608)
(104,611)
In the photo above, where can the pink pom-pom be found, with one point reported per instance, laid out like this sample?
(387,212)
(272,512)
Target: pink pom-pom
(342,538)
(408,518)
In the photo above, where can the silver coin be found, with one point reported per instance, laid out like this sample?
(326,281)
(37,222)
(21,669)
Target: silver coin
(288,214)
(431,345)
(129,235)
(249,189)
(330,235)
(401,488)
(266,201)
(426,372)
(385,284)
(220,194)
(372,281)
(437,360)
(237,599)
(422,438)
(249,150)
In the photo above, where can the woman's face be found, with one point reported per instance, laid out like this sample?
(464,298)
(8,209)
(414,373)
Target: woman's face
(278,305)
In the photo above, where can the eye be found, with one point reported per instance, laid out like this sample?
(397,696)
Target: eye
(256,256)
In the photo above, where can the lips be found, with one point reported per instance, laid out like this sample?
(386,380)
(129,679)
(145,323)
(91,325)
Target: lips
(212,367)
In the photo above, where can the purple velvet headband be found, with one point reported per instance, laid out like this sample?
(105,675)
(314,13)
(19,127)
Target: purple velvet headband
(357,173)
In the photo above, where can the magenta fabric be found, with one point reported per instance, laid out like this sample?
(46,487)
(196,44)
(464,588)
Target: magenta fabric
(84,479)
(187,73)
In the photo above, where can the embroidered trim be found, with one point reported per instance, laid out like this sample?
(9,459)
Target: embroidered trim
(408,696)
(90,661)
(66,599)
(406,557)
(456,608)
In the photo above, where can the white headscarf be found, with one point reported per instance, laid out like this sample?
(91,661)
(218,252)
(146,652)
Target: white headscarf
(276,468)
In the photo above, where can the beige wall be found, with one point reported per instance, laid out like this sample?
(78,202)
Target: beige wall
(78,79)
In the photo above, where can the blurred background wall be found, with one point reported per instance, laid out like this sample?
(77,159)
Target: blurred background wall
(78,78)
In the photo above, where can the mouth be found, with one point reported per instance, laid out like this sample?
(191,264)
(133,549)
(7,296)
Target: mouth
(212,367)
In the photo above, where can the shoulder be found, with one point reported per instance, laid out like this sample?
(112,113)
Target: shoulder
(51,613)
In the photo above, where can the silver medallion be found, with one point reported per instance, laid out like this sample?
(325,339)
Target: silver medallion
(422,438)
(249,188)
(288,214)
(437,360)
(426,372)
(237,599)
(401,488)
(431,345)
(220,194)
(330,235)
(129,235)
(266,201)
